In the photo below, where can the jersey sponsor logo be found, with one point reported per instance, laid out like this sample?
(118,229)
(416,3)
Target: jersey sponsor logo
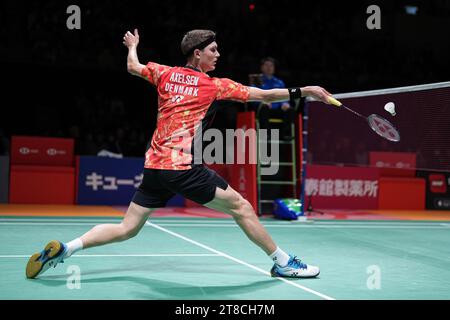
(177,99)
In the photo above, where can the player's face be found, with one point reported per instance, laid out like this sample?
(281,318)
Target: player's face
(208,57)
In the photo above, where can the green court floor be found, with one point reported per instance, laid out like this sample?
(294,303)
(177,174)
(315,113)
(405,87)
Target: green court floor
(209,258)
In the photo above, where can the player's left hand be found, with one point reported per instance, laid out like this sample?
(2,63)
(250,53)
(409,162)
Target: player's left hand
(130,39)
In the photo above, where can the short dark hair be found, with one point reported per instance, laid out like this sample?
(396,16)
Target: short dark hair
(268,59)
(193,39)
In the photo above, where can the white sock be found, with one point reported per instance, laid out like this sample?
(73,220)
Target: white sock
(280,257)
(73,246)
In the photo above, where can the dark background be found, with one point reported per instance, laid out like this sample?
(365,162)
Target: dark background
(73,83)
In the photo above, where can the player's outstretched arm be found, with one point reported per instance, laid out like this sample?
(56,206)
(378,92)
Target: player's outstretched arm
(131,41)
(275,95)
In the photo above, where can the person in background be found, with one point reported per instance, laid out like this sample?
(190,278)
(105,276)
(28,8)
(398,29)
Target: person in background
(267,80)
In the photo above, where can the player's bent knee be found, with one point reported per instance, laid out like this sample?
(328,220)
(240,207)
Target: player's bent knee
(127,233)
(244,209)
(248,209)
(132,233)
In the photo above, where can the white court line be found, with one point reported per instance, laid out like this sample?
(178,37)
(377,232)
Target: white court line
(49,224)
(62,219)
(307,226)
(238,261)
(127,255)
(302,223)
(299,226)
(298,222)
(232,223)
(266,222)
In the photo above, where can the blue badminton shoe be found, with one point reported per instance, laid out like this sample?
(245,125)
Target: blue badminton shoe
(295,268)
(52,254)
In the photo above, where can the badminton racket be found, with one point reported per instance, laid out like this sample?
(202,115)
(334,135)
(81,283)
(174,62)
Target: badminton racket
(377,123)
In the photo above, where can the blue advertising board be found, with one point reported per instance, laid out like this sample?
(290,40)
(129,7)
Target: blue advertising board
(111,181)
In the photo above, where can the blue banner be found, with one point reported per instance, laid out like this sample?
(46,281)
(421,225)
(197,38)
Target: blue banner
(110,181)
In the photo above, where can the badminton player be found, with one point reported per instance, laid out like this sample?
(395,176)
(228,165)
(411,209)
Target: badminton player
(186,96)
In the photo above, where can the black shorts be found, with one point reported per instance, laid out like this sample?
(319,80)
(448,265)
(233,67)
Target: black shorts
(197,184)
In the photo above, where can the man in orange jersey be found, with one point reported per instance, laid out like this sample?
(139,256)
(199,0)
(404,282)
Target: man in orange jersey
(186,98)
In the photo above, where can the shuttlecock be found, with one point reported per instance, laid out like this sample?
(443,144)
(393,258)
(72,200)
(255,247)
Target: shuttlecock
(390,107)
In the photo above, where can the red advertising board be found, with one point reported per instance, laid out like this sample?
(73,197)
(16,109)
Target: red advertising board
(42,185)
(42,151)
(243,175)
(394,163)
(332,187)
(400,193)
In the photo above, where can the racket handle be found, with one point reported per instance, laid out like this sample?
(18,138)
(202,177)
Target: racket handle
(334,102)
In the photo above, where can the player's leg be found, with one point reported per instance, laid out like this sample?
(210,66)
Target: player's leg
(149,196)
(130,226)
(206,187)
(199,184)
(231,202)
(56,252)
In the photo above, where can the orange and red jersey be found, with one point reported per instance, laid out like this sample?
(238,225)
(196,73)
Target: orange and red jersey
(185,96)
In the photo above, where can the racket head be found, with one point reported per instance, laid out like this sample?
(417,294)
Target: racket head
(383,128)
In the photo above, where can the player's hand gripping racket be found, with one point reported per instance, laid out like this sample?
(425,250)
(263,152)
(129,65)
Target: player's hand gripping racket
(378,124)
